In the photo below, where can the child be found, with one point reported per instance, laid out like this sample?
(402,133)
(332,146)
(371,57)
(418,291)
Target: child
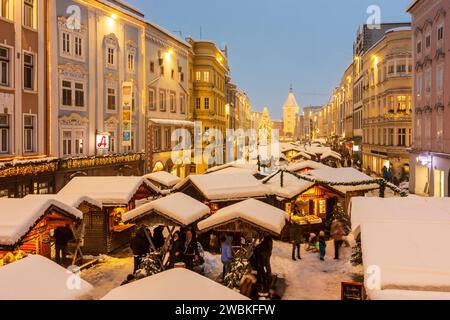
(322,245)
(312,242)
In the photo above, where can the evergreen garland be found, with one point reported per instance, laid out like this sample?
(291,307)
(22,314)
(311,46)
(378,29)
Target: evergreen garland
(240,266)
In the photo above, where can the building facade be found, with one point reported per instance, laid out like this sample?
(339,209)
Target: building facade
(430,153)
(387,89)
(290,111)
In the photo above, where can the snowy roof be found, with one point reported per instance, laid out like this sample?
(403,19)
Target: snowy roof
(73,200)
(38,278)
(302,154)
(330,154)
(18,215)
(174,284)
(234,167)
(292,186)
(298,166)
(164,178)
(226,186)
(171,122)
(178,207)
(108,190)
(251,211)
(395,236)
(344,175)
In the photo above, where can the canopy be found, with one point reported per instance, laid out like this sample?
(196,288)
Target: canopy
(292,186)
(164,178)
(174,284)
(38,278)
(255,213)
(178,208)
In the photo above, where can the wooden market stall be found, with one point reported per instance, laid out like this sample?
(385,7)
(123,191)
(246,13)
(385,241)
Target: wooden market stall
(222,189)
(105,230)
(26,225)
(162,179)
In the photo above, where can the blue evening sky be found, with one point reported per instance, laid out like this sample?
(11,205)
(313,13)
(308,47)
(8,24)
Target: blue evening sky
(275,43)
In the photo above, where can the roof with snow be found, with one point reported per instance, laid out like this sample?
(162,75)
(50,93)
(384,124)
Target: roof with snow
(174,284)
(302,154)
(406,238)
(177,207)
(73,200)
(216,187)
(234,167)
(330,154)
(17,216)
(254,212)
(38,278)
(117,190)
(299,166)
(164,178)
(292,186)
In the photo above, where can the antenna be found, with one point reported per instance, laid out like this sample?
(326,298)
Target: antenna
(201,33)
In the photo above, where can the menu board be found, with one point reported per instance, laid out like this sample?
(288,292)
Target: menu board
(352,291)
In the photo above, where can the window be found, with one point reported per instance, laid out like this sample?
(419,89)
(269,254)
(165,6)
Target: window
(28,13)
(390,137)
(401,104)
(173,105)
(172,74)
(130,62)
(4,133)
(28,71)
(182,106)
(428,41)
(206,103)
(440,33)
(4,66)
(157,139)
(72,142)
(198,76)
(66,42)
(78,46)
(198,103)
(428,82)
(419,85)
(440,131)
(79,95)
(111,59)
(181,77)
(418,132)
(391,103)
(168,138)
(162,100)
(67,143)
(112,141)
(66,93)
(401,137)
(391,69)
(4,9)
(384,136)
(440,78)
(151,100)
(161,71)
(152,67)
(419,47)
(111,99)
(28,133)
(401,68)
(409,137)
(206,76)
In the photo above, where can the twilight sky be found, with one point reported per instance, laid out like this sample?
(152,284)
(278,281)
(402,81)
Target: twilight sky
(275,43)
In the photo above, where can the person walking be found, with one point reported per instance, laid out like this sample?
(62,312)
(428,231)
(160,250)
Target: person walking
(226,256)
(158,237)
(140,245)
(338,234)
(263,253)
(190,249)
(176,250)
(322,245)
(296,236)
(62,237)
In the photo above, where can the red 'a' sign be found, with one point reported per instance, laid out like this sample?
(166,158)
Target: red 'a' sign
(102,142)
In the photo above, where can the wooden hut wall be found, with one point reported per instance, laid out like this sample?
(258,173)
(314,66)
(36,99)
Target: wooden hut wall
(96,229)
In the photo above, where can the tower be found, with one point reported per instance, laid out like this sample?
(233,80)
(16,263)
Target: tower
(290,111)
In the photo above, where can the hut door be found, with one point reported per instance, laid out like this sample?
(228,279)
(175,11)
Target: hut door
(45,245)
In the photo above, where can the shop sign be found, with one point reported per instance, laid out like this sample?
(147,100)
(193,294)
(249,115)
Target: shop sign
(102,142)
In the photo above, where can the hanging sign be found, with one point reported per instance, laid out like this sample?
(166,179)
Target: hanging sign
(102,141)
(127,100)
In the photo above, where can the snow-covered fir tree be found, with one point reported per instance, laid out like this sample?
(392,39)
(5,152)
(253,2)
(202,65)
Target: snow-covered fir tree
(240,266)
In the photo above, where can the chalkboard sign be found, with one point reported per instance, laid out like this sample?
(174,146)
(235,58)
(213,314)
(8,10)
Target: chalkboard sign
(352,291)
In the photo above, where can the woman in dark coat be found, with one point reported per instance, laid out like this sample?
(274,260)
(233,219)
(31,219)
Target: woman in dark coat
(263,252)
(176,251)
(158,237)
(140,245)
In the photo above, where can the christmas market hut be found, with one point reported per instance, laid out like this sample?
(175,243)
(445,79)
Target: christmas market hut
(38,278)
(303,167)
(303,156)
(405,241)
(26,225)
(162,179)
(331,158)
(174,284)
(119,194)
(234,168)
(221,190)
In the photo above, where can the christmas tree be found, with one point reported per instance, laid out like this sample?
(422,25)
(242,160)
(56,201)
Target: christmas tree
(240,266)
(339,214)
(150,265)
(356,258)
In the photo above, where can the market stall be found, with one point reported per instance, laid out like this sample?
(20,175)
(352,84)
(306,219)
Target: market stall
(303,167)
(174,284)
(38,278)
(234,167)
(26,226)
(162,179)
(118,195)
(331,158)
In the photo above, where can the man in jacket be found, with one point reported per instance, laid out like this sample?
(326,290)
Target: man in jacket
(226,256)
(296,236)
(62,237)
(338,234)
(263,252)
(140,245)
(190,249)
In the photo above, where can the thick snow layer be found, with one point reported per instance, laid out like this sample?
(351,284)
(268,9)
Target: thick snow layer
(174,284)
(181,123)
(38,278)
(109,190)
(299,166)
(17,216)
(344,175)
(162,177)
(292,186)
(407,239)
(330,154)
(227,186)
(392,294)
(302,154)
(178,206)
(72,200)
(234,167)
(254,211)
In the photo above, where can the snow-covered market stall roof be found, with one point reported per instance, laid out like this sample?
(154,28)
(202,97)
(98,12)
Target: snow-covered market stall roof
(174,284)
(73,200)
(330,154)
(285,185)
(251,214)
(178,209)
(19,216)
(224,187)
(304,165)
(302,154)
(234,167)
(163,178)
(116,190)
(38,278)
(405,240)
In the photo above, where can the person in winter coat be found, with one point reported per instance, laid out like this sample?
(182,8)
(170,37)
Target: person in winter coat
(226,256)
(338,234)
(322,245)
(62,237)
(190,249)
(263,252)
(296,236)
(176,251)
(158,237)
(140,245)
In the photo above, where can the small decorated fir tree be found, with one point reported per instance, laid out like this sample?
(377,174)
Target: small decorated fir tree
(150,265)
(240,266)
(339,214)
(356,258)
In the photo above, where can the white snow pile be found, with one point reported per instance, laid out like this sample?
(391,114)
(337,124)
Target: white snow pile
(292,186)
(179,207)
(344,175)
(303,165)
(226,186)
(302,154)
(251,211)
(38,278)
(164,178)
(73,200)
(406,239)
(234,167)
(17,216)
(174,284)
(109,190)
